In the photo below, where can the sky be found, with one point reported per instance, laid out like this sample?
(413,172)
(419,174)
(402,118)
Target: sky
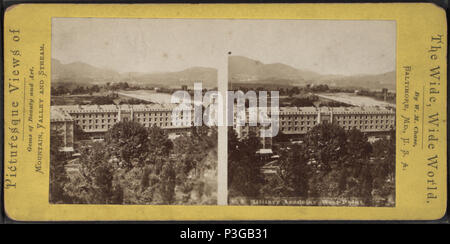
(341,47)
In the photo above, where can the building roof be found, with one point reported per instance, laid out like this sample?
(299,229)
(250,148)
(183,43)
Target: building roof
(264,151)
(151,107)
(335,110)
(297,110)
(362,110)
(59,115)
(114,108)
(66,149)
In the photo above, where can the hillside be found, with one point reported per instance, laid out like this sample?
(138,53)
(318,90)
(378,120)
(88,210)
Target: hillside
(208,77)
(81,73)
(84,74)
(246,70)
(385,80)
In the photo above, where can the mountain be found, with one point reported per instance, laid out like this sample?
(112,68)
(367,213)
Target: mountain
(81,73)
(245,70)
(84,74)
(208,77)
(253,71)
(241,70)
(378,81)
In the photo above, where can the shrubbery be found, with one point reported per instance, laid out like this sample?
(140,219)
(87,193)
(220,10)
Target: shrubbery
(138,165)
(331,163)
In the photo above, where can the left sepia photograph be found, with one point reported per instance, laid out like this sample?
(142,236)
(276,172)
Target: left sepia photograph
(116,134)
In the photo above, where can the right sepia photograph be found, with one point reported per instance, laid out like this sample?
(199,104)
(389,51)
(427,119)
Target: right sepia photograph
(329,89)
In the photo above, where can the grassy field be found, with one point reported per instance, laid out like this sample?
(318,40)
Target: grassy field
(72,99)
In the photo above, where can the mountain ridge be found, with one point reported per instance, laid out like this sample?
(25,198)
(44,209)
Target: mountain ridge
(246,70)
(241,70)
(84,74)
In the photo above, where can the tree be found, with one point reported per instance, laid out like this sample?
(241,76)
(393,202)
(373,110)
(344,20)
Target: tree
(192,148)
(95,88)
(167,186)
(335,161)
(128,140)
(136,165)
(78,90)
(78,133)
(245,177)
(356,179)
(94,184)
(195,159)
(140,184)
(58,174)
(383,169)
(295,171)
(294,90)
(233,155)
(326,144)
(331,162)
(103,181)
(102,100)
(159,143)
(53,91)
(96,174)
(61,90)
(302,101)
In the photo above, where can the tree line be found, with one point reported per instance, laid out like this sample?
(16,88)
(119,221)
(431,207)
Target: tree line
(58,89)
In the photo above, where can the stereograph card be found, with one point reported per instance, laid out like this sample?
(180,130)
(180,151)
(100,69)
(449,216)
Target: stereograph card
(225,112)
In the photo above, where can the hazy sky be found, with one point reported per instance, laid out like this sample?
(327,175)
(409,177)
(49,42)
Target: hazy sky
(156,45)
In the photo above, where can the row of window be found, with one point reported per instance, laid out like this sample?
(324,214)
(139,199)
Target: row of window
(284,129)
(150,119)
(314,122)
(152,114)
(363,116)
(91,127)
(340,122)
(92,115)
(113,115)
(108,123)
(310,117)
(338,117)
(366,127)
(97,121)
(302,123)
(365,122)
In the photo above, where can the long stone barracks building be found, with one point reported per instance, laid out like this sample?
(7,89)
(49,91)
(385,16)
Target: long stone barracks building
(299,120)
(96,120)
